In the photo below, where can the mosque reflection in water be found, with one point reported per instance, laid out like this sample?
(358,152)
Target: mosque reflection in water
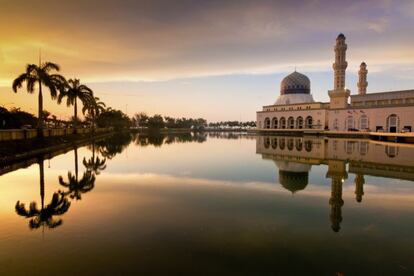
(294,157)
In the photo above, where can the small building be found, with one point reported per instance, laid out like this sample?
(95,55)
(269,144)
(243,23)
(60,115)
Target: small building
(295,108)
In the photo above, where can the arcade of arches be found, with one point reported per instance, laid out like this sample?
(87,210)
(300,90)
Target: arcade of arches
(289,123)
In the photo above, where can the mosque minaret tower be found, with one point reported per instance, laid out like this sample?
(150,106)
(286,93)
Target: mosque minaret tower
(339,95)
(362,82)
(340,64)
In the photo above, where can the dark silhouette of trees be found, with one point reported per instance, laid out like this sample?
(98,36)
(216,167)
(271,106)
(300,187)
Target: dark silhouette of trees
(113,118)
(156,121)
(40,76)
(74,90)
(94,107)
(15,118)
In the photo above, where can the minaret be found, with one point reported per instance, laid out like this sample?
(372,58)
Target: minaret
(359,187)
(340,64)
(339,95)
(362,83)
(337,173)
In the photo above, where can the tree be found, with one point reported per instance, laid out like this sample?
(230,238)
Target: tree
(40,76)
(46,115)
(74,90)
(140,119)
(113,118)
(94,107)
(15,118)
(156,121)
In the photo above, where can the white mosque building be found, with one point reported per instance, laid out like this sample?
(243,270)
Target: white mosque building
(295,108)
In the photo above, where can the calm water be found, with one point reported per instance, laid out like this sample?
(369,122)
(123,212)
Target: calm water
(211,204)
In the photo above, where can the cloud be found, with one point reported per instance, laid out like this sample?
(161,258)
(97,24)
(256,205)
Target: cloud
(158,40)
(379,25)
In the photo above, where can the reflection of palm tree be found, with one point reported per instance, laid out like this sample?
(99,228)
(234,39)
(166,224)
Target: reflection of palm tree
(44,216)
(78,187)
(95,165)
(113,145)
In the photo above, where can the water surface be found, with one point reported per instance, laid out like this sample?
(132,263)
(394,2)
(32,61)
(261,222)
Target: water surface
(218,203)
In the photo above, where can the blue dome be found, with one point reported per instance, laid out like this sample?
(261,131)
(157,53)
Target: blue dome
(295,83)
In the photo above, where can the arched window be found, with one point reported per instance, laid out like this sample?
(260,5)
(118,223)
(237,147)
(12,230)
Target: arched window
(274,143)
(291,122)
(267,123)
(266,142)
(274,122)
(298,144)
(308,145)
(363,122)
(349,123)
(392,123)
(299,122)
(290,144)
(282,143)
(308,122)
(282,123)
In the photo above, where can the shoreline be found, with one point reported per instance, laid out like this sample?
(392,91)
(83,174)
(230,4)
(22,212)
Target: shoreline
(30,150)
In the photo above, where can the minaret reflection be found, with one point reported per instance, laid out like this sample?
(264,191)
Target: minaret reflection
(359,186)
(337,173)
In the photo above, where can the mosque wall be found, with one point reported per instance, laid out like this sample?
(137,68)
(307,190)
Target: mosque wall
(293,119)
(386,119)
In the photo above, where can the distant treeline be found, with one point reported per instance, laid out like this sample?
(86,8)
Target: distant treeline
(158,121)
(233,124)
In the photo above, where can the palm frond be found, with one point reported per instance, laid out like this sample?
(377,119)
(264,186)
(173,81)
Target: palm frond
(18,82)
(48,66)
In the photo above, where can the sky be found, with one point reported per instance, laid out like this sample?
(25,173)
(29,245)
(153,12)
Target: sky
(216,59)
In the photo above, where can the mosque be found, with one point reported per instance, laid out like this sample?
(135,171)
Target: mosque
(295,108)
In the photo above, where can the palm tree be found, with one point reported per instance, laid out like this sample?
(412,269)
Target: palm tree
(73,90)
(40,76)
(94,107)
(44,216)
